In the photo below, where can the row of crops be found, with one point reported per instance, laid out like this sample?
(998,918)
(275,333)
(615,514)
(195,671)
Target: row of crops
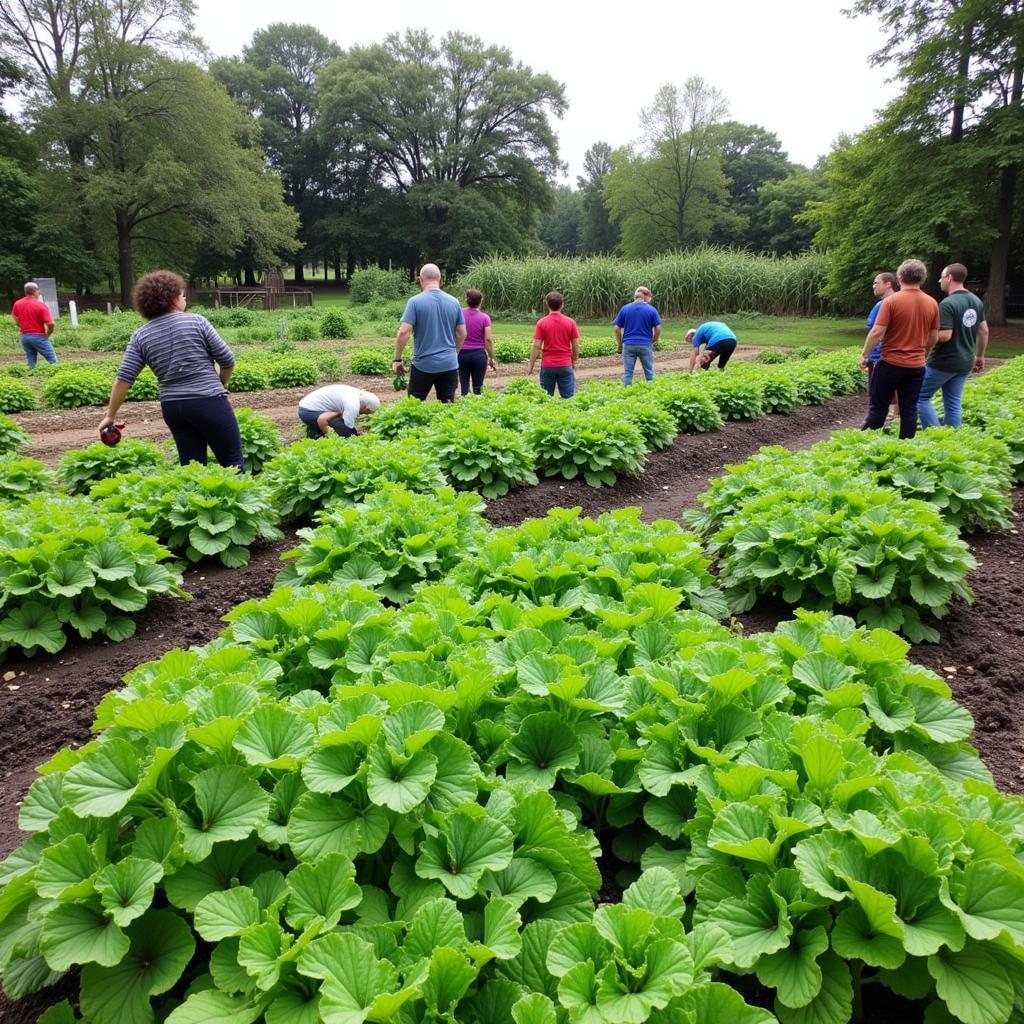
(397,795)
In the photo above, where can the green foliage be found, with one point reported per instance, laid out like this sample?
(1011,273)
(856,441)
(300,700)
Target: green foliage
(370,361)
(692,407)
(393,541)
(15,396)
(70,389)
(261,440)
(511,351)
(373,284)
(196,510)
(771,356)
(21,477)
(337,323)
(779,394)
(80,468)
(144,388)
(526,387)
(65,569)
(311,474)
(115,332)
(480,456)
(303,329)
(737,398)
(404,418)
(248,378)
(656,424)
(570,443)
(595,347)
(12,437)
(291,373)
(237,316)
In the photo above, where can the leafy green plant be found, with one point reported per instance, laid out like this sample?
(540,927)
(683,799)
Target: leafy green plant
(304,329)
(512,351)
(526,387)
(480,456)
(145,388)
(772,356)
(813,387)
(80,468)
(327,363)
(737,398)
(196,510)
(595,347)
(370,361)
(261,440)
(12,437)
(372,284)
(291,373)
(70,389)
(338,324)
(115,332)
(237,316)
(393,540)
(16,396)
(404,418)
(248,378)
(693,409)
(778,394)
(21,477)
(656,424)
(64,571)
(311,474)
(570,443)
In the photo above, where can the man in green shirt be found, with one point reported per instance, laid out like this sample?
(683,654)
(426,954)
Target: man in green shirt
(963,335)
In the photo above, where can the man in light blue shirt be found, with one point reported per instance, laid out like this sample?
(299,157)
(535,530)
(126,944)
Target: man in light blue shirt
(717,340)
(637,328)
(435,320)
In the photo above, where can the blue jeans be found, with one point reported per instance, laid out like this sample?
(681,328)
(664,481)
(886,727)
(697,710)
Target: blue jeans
(630,354)
(563,376)
(952,385)
(37,345)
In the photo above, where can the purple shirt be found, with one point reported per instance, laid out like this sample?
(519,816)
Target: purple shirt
(476,321)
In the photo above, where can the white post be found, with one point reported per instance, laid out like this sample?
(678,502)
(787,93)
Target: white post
(73,312)
(293,301)
(109,309)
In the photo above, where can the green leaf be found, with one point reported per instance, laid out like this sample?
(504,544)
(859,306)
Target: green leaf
(400,787)
(331,769)
(869,930)
(31,625)
(319,825)
(523,879)
(972,984)
(794,972)
(823,761)
(79,933)
(577,992)
(834,1002)
(436,923)
(501,931)
(467,846)
(224,914)
(937,718)
(575,944)
(758,923)
(260,950)
(66,870)
(657,892)
(991,901)
(323,890)
(231,806)
(449,975)
(412,726)
(667,973)
(275,737)
(103,782)
(161,946)
(715,1003)
(126,889)
(544,746)
(741,829)
(214,1007)
(534,1008)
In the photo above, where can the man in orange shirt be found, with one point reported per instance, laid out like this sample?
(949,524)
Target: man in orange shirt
(907,325)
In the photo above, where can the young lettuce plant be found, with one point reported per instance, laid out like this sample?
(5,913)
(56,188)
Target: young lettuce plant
(79,469)
(261,440)
(568,443)
(21,477)
(481,456)
(12,437)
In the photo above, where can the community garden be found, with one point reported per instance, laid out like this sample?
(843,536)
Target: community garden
(653,705)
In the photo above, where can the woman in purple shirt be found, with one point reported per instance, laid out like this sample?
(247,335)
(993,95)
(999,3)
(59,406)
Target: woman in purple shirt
(477,352)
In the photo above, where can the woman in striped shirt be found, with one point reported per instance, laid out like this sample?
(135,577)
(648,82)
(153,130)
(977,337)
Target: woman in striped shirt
(192,365)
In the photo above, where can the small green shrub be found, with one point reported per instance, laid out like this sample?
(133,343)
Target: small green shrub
(737,398)
(512,351)
(804,352)
(248,378)
(771,356)
(92,318)
(526,387)
(327,363)
(779,394)
(80,468)
(337,324)
(71,389)
(145,388)
(261,440)
(594,347)
(291,373)
(403,418)
(812,388)
(571,443)
(15,396)
(116,332)
(480,456)
(21,477)
(304,330)
(374,283)
(233,317)
(695,411)
(12,437)
(370,361)
(657,425)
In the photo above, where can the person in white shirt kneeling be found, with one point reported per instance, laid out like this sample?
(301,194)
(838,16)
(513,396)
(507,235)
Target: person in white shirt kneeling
(335,407)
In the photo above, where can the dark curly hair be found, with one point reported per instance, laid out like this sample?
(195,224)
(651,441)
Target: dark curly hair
(155,293)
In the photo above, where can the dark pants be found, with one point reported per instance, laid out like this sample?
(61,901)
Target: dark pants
(443,383)
(886,380)
(721,351)
(472,367)
(309,417)
(200,423)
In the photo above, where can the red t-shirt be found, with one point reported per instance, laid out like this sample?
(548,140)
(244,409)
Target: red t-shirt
(556,332)
(32,315)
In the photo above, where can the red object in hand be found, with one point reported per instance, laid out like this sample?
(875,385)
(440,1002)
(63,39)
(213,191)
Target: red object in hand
(111,434)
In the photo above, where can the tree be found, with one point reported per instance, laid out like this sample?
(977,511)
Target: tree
(456,128)
(670,191)
(777,221)
(597,232)
(560,229)
(276,81)
(962,65)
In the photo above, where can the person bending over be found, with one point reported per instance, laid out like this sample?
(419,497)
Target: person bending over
(716,339)
(335,407)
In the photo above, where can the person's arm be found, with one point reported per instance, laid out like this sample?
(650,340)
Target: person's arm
(118,393)
(574,344)
(694,353)
(489,347)
(219,352)
(401,339)
(460,337)
(875,335)
(49,328)
(979,355)
(933,331)
(534,352)
(655,335)
(618,339)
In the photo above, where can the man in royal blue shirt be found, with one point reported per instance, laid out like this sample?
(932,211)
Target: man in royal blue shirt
(637,329)
(716,339)
(883,286)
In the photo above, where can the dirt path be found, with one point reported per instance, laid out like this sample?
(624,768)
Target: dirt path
(54,432)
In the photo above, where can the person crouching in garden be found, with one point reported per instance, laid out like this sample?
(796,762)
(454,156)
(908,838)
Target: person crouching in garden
(556,340)
(717,340)
(181,349)
(335,407)
(477,352)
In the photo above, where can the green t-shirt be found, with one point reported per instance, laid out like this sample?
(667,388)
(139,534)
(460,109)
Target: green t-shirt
(961,313)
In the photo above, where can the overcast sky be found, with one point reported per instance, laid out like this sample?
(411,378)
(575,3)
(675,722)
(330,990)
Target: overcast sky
(797,67)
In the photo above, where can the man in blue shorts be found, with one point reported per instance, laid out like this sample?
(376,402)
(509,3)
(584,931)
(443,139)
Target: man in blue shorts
(637,328)
(435,320)
(716,339)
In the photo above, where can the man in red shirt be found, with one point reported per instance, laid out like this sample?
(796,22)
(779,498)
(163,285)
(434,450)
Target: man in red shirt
(907,325)
(557,341)
(35,322)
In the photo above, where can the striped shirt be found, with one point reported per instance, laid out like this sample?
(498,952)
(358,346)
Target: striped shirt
(180,349)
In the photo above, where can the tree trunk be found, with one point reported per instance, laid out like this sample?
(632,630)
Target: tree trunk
(125,264)
(350,265)
(250,276)
(337,268)
(963,71)
(300,272)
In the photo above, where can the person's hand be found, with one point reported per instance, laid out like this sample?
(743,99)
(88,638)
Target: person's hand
(323,422)
(530,370)
(979,364)
(493,365)
(107,421)
(397,363)
(619,350)
(864,362)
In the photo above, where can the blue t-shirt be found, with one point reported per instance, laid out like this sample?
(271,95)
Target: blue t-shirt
(637,320)
(876,352)
(712,333)
(433,315)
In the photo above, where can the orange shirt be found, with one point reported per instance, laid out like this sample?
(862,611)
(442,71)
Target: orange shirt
(907,317)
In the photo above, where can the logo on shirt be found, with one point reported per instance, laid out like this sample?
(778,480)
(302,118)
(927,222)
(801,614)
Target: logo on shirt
(970,317)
